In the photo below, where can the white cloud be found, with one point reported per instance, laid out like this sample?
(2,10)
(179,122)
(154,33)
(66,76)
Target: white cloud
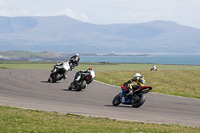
(84,18)
(67,12)
(72,14)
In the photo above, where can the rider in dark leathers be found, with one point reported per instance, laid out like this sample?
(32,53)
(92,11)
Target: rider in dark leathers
(79,73)
(74,60)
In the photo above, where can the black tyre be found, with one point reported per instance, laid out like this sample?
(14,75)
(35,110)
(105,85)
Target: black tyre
(117,100)
(55,78)
(81,86)
(70,87)
(49,80)
(139,102)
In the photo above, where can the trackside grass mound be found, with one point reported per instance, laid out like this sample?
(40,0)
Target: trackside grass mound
(15,120)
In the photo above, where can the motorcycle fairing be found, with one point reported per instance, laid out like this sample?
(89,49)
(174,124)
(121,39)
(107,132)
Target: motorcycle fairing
(66,66)
(124,87)
(143,89)
(92,74)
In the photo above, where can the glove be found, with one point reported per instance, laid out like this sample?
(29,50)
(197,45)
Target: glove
(130,92)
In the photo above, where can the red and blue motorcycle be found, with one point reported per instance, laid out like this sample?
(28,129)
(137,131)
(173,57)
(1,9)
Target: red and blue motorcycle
(135,97)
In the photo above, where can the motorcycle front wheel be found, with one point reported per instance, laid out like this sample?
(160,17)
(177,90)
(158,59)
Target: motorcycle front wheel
(117,100)
(138,100)
(70,87)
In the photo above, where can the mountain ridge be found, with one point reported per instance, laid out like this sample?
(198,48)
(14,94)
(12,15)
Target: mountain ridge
(65,34)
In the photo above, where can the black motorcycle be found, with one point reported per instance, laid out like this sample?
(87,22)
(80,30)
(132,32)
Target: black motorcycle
(81,81)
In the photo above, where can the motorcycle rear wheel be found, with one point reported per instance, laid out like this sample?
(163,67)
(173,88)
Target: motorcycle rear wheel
(139,102)
(81,86)
(117,100)
(56,78)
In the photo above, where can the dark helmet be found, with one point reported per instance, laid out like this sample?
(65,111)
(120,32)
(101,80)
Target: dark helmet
(91,69)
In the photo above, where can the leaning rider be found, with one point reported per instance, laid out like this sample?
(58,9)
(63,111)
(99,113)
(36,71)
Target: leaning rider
(79,74)
(138,79)
(56,67)
(154,67)
(74,60)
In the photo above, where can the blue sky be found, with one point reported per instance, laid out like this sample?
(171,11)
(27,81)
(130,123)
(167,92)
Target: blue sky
(184,12)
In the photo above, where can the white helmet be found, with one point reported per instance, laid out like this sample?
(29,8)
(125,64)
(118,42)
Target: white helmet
(77,54)
(137,75)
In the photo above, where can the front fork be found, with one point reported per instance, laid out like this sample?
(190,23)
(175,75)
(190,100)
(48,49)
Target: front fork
(124,97)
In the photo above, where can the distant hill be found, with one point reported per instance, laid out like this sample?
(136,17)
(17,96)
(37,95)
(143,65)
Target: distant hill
(16,55)
(25,55)
(67,35)
(45,56)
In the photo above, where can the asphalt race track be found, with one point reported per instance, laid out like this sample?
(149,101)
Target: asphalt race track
(30,89)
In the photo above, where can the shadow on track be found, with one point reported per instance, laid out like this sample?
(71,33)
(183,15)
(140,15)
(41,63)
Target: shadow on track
(119,106)
(70,90)
(49,82)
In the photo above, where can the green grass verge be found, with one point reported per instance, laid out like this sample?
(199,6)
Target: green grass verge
(132,67)
(97,66)
(15,120)
(173,82)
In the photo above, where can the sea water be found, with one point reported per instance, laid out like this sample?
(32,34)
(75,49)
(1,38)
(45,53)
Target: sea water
(180,59)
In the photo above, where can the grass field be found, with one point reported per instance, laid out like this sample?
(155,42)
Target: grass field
(97,66)
(133,67)
(15,120)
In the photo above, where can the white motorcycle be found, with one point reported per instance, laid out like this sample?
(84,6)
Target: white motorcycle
(59,72)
